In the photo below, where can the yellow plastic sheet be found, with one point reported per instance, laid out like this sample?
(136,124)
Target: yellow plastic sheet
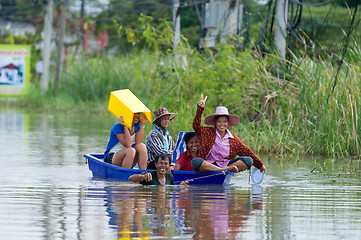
(125,103)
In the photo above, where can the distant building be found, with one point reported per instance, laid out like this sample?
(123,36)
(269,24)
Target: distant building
(16,27)
(91,42)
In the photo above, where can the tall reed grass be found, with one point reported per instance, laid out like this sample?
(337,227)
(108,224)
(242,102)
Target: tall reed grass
(287,107)
(94,78)
(326,106)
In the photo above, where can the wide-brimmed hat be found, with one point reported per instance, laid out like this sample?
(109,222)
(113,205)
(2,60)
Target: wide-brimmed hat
(222,111)
(163,111)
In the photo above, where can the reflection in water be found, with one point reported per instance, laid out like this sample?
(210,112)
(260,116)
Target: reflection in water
(126,212)
(158,214)
(216,212)
(12,122)
(191,212)
(56,138)
(47,192)
(42,176)
(137,211)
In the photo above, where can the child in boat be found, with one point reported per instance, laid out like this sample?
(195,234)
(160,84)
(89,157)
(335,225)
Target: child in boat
(159,140)
(218,146)
(159,177)
(184,160)
(125,147)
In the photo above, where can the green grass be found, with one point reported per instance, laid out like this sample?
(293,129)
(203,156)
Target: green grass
(328,105)
(287,107)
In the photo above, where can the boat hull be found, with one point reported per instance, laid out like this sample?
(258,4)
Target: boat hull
(101,169)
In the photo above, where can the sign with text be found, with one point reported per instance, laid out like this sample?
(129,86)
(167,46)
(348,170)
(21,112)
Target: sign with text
(14,69)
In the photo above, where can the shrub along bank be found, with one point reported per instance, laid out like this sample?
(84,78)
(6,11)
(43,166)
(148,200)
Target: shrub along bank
(301,106)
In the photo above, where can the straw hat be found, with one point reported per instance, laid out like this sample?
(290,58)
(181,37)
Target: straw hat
(163,111)
(222,111)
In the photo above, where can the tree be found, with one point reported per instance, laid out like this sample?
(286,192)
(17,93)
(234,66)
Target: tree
(127,13)
(21,9)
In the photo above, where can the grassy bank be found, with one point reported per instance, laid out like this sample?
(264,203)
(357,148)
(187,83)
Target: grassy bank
(301,106)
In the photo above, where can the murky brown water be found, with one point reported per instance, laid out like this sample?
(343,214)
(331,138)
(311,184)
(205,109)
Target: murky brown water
(47,192)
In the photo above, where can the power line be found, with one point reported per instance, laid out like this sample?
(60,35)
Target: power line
(311,4)
(345,46)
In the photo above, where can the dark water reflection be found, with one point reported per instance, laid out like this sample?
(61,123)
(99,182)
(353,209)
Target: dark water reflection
(47,192)
(213,212)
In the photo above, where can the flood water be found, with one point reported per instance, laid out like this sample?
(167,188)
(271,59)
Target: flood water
(47,192)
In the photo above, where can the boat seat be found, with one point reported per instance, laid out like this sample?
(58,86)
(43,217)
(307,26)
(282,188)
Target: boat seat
(180,147)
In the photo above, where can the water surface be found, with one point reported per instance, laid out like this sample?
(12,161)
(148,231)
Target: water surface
(47,192)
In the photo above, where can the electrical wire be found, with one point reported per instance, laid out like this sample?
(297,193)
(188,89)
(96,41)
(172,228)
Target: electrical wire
(311,4)
(345,47)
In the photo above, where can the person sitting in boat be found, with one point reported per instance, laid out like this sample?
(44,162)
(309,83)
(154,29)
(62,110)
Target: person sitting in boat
(218,146)
(184,160)
(159,177)
(125,147)
(159,139)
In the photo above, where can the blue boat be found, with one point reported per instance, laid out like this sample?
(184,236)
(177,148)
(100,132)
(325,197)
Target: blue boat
(101,169)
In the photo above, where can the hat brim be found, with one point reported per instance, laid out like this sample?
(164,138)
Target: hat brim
(171,116)
(211,119)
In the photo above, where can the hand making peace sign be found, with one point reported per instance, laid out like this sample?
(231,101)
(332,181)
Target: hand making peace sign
(202,102)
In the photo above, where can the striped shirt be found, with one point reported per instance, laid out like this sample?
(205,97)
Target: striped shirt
(159,141)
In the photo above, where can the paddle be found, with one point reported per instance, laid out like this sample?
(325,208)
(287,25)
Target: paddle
(256,176)
(191,180)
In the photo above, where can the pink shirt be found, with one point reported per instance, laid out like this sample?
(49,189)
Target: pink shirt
(220,150)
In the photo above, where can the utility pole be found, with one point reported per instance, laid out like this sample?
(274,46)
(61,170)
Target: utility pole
(222,18)
(82,8)
(44,81)
(280,27)
(176,25)
(60,44)
(82,13)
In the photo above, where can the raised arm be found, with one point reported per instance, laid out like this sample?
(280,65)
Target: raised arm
(140,177)
(124,139)
(198,118)
(140,134)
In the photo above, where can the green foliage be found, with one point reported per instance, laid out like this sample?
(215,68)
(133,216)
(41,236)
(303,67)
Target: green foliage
(156,38)
(328,116)
(18,9)
(94,78)
(290,107)
(126,13)
(326,25)
(190,26)
(287,107)
(348,3)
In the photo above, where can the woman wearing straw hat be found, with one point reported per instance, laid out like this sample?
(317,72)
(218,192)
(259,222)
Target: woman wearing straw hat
(219,147)
(159,140)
